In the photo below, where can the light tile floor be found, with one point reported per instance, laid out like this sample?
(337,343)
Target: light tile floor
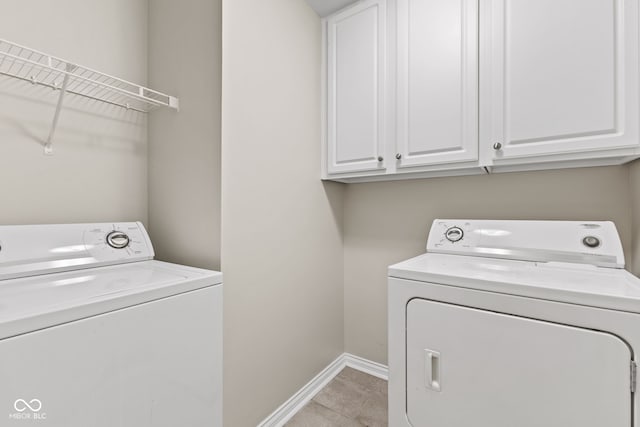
(351,399)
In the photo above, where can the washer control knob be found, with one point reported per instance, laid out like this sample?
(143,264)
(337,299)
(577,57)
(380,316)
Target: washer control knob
(454,234)
(118,240)
(591,241)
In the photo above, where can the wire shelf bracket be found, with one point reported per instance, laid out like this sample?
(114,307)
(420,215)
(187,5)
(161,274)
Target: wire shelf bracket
(40,69)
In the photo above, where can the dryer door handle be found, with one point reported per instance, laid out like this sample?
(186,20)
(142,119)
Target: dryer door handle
(432,362)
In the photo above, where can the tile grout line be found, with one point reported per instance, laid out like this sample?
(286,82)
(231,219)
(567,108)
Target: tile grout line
(353,395)
(327,408)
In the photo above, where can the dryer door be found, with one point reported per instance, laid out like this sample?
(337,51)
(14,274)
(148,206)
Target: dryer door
(469,367)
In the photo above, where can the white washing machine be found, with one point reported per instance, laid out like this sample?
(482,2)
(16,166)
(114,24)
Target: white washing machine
(514,324)
(95,333)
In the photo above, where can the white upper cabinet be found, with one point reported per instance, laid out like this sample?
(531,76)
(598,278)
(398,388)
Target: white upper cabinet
(559,77)
(421,88)
(356,88)
(437,82)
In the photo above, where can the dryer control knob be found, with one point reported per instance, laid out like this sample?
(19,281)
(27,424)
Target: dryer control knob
(454,234)
(118,240)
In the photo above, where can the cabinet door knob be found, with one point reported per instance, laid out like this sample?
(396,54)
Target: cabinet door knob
(398,156)
(497,146)
(380,158)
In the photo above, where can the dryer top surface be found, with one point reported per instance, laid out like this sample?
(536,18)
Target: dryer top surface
(581,284)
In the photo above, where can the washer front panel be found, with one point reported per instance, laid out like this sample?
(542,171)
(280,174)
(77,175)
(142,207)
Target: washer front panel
(142,366)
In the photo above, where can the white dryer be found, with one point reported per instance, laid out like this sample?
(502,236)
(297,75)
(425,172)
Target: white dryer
(514,324)
(94,332)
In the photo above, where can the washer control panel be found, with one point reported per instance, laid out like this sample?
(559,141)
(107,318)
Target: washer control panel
(27,250)
(583,242)
(454,234)
(116,241)
(591,241)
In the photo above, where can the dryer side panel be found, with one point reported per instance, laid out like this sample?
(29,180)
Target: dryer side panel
(470,367)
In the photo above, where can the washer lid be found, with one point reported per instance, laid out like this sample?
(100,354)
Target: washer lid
(564,282)
(32,303)
(581,242)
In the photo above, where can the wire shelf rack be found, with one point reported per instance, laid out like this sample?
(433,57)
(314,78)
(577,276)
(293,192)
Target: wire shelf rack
(38,68)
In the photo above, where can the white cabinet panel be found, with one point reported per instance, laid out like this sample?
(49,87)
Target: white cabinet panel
(561,76)
(356,76)
(437,109)
(469,367)
(479,86)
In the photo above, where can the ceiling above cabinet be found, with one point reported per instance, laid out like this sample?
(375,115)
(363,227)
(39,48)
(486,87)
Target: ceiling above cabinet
(327,7)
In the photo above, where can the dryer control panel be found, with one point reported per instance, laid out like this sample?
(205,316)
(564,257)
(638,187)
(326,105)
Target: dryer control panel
(583,242)
(28,250)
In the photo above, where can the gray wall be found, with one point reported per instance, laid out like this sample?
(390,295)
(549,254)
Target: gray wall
(185,54)
(99,170)
(388,222)
(281,226)
(634,179)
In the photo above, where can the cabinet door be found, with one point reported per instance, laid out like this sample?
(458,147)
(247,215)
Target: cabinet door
(561,76)
(469,367)
(356,85)
(437,110)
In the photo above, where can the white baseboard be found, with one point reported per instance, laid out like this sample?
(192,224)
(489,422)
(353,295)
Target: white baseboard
(367,366)
(289,408)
